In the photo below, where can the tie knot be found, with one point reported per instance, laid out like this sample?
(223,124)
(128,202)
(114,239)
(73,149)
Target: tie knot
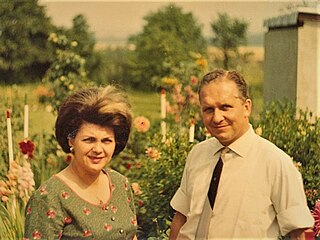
(224,151)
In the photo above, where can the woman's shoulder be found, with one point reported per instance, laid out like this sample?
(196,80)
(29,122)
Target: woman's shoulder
(49,189)
(115,174)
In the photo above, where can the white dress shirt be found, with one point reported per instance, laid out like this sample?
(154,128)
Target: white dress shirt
(260,193)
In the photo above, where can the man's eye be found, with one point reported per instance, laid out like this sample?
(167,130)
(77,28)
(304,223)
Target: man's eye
(208,110)
(226,107)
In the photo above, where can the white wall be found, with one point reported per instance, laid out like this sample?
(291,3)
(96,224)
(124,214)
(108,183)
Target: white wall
(308,70)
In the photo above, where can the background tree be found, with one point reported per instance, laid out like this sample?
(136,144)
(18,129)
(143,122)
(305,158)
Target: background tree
(165,42)
(24,49)
(228,34)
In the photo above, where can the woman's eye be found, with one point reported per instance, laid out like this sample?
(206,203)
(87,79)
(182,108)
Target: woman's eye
(107,140)
(89,139)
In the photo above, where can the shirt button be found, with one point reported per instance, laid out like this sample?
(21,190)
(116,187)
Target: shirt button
(121,231)
(113,218)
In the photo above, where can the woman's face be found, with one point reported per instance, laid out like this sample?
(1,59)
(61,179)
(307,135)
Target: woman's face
(93,147)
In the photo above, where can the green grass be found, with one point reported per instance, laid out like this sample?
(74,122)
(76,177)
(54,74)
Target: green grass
(41,120)
(145,104)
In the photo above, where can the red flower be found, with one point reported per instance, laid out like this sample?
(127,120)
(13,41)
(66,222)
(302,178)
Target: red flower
(51,214)
(27,147)
(134,221)
(65,195)
(36,235)
(316,215)
(108,227)
(86,211)
(128,166)
(87,233)
(140,203)
(67,220)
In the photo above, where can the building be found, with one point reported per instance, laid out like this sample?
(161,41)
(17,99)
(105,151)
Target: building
(292,59)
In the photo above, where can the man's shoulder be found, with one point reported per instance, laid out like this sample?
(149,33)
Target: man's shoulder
(270,149)
(205,148)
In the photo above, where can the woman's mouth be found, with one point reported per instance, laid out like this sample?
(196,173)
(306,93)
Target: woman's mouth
(95,159)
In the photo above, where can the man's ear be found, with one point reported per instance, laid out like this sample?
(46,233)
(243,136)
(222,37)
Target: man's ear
(248,106)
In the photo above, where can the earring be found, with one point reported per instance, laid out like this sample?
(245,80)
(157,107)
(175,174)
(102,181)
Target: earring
(71,149)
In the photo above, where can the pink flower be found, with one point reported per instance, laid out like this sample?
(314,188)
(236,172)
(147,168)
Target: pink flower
(136,188)
(142,124)
(316,215)
(153,153)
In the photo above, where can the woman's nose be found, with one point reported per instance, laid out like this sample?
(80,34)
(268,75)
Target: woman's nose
(97,148)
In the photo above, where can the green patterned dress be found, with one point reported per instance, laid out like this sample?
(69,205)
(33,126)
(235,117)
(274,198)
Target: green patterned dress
(54,211)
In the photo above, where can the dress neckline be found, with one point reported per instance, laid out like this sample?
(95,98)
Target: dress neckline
(101,204)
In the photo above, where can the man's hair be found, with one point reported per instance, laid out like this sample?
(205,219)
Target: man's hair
(221,74)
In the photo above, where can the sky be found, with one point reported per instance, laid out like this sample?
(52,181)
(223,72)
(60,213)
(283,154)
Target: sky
(116,20)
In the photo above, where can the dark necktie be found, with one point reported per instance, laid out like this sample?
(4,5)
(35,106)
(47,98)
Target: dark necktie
(215,182)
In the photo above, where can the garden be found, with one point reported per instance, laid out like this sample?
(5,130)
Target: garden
(167,123)
(155,156)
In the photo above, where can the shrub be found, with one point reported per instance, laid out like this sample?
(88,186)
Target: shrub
(155,172)
(297,132)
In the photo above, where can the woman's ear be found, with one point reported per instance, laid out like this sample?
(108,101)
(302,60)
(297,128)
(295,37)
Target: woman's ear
(70,142)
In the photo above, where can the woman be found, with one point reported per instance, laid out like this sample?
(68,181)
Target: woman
(85,200)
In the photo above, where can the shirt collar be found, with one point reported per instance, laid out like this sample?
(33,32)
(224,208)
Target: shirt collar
(242,145)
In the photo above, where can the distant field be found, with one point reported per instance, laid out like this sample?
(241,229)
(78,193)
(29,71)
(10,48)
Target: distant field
(258,52)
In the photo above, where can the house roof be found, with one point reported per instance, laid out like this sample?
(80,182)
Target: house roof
(293,19)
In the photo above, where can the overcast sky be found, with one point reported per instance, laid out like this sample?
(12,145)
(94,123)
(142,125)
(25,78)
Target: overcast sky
(119,19)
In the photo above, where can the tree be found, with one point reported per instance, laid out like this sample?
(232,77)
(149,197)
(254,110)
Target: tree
(165,42)
(24,49)
(229,33)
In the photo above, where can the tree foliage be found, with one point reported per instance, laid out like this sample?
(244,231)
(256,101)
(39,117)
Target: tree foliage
(228,34)
(24,50)
(166,41)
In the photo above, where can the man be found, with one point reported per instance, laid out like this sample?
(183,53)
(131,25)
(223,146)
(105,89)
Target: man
(259,193)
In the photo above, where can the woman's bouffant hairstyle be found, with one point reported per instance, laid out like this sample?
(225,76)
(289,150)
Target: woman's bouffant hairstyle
(230,75)
(103,106)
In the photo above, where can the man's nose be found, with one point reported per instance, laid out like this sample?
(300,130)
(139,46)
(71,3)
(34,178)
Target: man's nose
(217,116)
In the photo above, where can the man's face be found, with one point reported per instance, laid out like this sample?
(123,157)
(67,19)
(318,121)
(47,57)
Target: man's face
(225,114)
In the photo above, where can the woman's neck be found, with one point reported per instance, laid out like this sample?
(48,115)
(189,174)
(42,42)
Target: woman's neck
(84,179)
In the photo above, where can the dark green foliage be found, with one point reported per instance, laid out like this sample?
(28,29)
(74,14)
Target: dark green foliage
(228,34)
(167,39)
(24,51)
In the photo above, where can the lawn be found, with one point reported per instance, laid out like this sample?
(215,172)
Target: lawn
(42,120)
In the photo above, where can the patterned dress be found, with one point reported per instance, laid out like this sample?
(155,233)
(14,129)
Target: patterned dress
(55,211)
